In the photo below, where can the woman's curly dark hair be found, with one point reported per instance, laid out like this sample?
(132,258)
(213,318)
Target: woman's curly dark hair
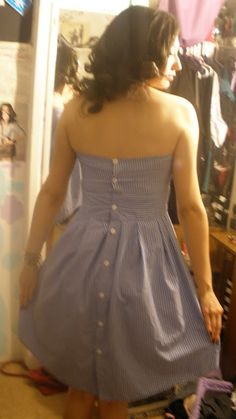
(11,112)
(124,56)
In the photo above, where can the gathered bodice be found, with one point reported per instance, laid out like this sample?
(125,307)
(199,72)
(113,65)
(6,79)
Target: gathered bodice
(134,187)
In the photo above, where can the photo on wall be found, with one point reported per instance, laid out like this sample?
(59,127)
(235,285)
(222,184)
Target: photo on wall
(15,91)
(80,30)
(12,134)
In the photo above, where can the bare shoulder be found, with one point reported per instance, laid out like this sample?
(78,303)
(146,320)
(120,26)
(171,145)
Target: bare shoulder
(72,110)
(180,105)
(184,113)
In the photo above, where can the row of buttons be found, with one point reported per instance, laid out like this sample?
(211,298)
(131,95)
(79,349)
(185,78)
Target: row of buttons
(114,178)
(114,181)
(106,262)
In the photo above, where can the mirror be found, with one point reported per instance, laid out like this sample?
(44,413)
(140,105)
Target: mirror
(77,30)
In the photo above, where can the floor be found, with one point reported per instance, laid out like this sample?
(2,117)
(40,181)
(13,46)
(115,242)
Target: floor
(20,400)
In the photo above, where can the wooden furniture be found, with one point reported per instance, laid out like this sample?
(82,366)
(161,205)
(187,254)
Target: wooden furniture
(224,258)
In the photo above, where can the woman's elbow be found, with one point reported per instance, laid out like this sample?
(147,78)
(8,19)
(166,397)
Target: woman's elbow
(191,209)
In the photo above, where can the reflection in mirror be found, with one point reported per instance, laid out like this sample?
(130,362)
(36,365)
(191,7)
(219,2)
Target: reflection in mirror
(114,312)
(78,32)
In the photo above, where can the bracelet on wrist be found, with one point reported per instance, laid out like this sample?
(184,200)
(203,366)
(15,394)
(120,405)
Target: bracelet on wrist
(33,259)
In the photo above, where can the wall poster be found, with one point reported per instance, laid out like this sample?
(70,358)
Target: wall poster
(81,30)
(15,94)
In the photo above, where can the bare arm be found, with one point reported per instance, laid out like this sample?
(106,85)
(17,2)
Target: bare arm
(193,218)
(47,205)
(53,190)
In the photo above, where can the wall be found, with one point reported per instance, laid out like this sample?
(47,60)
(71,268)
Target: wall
(15,60)
(15,70)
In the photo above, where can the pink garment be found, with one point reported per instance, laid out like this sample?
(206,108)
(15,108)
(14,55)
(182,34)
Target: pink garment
(233,81)
(196,17)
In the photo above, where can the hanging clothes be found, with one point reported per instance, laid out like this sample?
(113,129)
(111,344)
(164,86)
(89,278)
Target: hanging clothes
(196,17)
(225,86)
(225,71)
(198,83)
(233,80)
(217,124)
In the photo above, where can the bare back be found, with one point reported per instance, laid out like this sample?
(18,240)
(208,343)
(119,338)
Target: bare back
(126,128)
(155,124)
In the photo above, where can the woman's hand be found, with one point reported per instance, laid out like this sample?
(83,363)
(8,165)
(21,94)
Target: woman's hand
(28,281)
(7,141)
(212,313)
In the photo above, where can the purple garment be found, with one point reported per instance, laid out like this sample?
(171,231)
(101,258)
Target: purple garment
(195,17)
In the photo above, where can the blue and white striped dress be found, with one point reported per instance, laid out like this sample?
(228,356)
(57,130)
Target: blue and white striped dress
(115,312)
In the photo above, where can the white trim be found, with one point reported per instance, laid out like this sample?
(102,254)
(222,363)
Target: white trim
(35,153)
(49,88)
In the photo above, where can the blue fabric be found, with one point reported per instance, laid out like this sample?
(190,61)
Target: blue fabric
(115,312)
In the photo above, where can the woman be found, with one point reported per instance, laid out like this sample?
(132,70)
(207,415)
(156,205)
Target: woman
(66,76)
(11,134)
(115,314)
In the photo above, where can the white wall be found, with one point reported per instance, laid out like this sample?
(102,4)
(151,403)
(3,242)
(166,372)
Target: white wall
(16,70)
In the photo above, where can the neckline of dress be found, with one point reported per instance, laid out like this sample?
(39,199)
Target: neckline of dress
(123,159)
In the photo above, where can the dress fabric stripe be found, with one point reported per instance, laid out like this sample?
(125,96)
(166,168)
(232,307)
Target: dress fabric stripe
(115,312)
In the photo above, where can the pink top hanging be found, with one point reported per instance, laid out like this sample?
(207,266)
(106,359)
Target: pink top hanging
(195,17)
